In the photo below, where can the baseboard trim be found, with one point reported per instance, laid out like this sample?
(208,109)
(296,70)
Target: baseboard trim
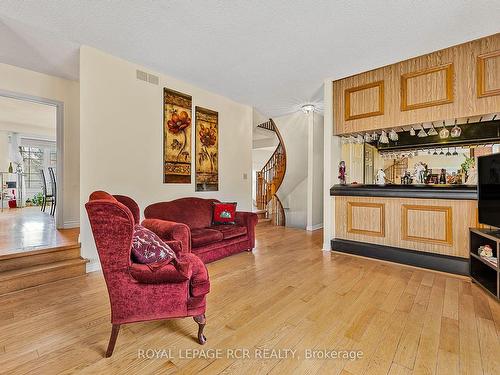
(438,262)
(92,267)
(314,227)
(71,224)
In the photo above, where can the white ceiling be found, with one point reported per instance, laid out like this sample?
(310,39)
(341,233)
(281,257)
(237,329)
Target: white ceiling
(27,117)
(272,54)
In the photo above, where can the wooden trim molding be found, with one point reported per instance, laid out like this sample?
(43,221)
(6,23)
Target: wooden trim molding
(380,206)
(448,240)
(448,68)
(347,100)
(481,75)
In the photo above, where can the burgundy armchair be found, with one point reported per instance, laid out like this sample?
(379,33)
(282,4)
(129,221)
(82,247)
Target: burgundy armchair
(138,292)
(189,221)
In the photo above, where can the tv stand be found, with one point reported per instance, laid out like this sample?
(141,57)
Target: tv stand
(483,271)
(489,232)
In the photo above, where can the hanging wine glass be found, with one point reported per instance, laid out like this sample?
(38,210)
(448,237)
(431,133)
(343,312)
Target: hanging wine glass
(455,153)
(448,153)
(432,130)
(412,131)
(444,133)
(383,137)
(456,131)
(393,136)
(422,133)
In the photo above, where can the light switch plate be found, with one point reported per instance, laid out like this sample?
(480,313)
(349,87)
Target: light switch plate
(245,176)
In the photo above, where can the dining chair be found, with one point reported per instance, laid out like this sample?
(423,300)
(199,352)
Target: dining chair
(46,196)
(53,189)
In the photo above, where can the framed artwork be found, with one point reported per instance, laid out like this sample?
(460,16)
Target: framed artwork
(207,149)
(176,137)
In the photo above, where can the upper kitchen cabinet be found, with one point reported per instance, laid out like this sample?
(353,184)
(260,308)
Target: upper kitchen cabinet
(460,81)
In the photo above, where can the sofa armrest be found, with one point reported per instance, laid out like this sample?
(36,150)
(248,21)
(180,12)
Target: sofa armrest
(170,231)
(249,220)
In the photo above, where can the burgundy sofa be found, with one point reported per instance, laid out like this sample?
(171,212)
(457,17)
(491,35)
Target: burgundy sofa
(189,220)
(137,292)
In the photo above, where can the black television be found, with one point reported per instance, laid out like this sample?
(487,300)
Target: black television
(488,171)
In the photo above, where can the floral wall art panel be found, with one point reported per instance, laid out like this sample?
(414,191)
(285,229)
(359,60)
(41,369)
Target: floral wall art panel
(176,137)
(207,149)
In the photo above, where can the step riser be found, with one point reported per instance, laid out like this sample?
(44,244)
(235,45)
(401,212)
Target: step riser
(26,281)
(37,259)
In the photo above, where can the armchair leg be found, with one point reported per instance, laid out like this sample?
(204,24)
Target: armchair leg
(201,320)
(112,340)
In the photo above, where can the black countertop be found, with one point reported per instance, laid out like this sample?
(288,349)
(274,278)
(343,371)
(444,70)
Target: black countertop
(468,192)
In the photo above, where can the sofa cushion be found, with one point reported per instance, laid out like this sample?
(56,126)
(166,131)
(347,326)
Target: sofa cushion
(230,231)
(196,213)
(147,247)
(200,237)
(158,273)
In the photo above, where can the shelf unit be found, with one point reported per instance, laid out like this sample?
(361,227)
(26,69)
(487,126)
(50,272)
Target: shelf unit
(482,272)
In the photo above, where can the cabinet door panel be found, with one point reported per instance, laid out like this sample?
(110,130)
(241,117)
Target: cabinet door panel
(488,74)
(364,101)
(427,87)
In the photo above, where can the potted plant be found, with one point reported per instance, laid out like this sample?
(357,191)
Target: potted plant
(37,199)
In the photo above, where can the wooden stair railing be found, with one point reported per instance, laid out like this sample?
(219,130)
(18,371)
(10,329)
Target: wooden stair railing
(270,178)
(396,170)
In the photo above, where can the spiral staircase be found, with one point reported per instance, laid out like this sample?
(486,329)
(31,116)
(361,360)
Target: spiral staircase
(269,180)
(394,172)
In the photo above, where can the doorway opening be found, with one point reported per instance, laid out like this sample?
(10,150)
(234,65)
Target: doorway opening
(31,155)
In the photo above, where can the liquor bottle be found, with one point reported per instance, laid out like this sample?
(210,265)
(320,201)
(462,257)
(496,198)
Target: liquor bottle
(11,170)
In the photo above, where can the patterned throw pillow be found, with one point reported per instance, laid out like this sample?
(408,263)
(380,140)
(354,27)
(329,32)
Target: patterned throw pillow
(224,213)
(147,247)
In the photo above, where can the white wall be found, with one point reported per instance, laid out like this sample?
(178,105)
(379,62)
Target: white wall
(23,81)
(294,131)
(296,206)
(4,151)
(332,157)
(353,155)
(302,189)
(121,139)
(317,170)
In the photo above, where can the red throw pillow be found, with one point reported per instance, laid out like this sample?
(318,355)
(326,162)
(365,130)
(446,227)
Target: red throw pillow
(224,213)
(147,247)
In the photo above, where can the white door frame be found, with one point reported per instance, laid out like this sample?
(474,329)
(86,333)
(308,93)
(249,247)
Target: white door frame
(59,144)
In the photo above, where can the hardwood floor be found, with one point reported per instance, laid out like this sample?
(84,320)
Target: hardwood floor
(29,229)
(287,294)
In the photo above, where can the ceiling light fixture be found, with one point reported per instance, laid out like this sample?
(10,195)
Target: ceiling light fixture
(307,108)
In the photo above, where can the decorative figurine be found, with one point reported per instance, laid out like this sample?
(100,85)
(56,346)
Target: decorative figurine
(342,172)
(442,176)
(406,179)
(485,251)
(420,171)
(380,179)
